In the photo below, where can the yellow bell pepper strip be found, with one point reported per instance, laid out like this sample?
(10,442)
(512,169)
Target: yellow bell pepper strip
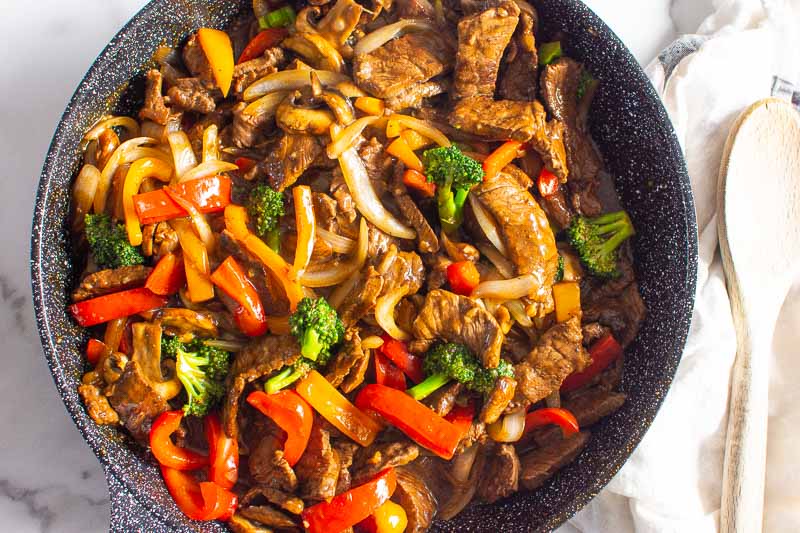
(306,227)
(402,151)
(370,105)
(195,261)
(414,140)
(141,169)
(216,45)
(393,128)
(337,409)
(567,296)
(508,151)
(236,224)
(198,284)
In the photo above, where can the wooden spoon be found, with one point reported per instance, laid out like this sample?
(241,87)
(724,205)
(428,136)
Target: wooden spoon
(758,201)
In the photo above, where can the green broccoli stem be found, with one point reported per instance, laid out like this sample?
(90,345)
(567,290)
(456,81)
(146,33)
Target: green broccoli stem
(617,223)
(429,386)
(273,239)
(448,209)
(282,379)
(311,346)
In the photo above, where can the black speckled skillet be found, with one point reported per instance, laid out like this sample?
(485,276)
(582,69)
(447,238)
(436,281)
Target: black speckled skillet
(630,127)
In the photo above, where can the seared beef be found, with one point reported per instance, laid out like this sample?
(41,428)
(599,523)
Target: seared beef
(518,81)
(593,405)
(268,466)
(190,94)
(318,468)
(500,475)
(412,9)
(401,63)
(412,97)
(111,280)
(361,299)
(419,503)
(523,226)
(482,38)
(246,73)
(427,242)
(260,358)
(345,449)
(402,269)
(153,107)
(158,240)
(454,318)
(293,155)
(248,130)
(350,364)
(136,401)
(269,516)
(623,313)
(443,400)
(325,210)
(540,464)
(183,321)
(557,208)
(284,500)
(91,392)
(558,354)
(498,399)
(195,60)
(369,461)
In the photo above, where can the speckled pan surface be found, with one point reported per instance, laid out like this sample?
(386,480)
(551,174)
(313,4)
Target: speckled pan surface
(633,132)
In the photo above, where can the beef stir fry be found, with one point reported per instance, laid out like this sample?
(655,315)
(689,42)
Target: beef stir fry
(350,267)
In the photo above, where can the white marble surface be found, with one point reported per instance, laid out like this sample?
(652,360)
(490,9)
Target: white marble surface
(49,479)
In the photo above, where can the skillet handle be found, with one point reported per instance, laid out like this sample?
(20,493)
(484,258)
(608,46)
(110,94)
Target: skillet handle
(127,515)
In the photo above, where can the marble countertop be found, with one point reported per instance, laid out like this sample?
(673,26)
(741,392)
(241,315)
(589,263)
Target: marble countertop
(49,478)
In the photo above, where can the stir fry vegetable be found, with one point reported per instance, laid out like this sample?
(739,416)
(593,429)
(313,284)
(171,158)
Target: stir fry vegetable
(165,451)
(265,206)
(597,241)
(109,244)
(454,175)
(117,305)
(201,369)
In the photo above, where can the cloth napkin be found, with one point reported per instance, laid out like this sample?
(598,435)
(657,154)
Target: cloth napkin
(747,50)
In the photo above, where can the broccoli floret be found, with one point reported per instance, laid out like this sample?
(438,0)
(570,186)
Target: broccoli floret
(597,241)
(451,361)
(265,207)
(454,175)
(109,243)
(318,329)
(201,369)
(560,270)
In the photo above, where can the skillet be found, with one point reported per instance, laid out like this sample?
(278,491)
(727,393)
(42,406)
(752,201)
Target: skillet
(632,131)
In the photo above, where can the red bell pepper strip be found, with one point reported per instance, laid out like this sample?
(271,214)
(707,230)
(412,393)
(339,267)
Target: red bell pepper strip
(223,453)
(461,417)
(398,353)
(548,183)
(95,350)
(417,181)
(210,195)
(387,373)
(552,415)
(165,451)
(287,409)
(505,154)
(604,351)
(411,417)
(230,277)
(463,277)
(351,507)
(168,276)
(244,163)
(117,305)
(258,45)
(199,500)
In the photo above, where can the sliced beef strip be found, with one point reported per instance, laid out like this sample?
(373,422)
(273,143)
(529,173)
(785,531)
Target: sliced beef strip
(589,407)
(346,450)
(248,130)
(443,400)
(519,80)
(537,466)
(524,228)
(623,313)
(361,299)
(97,405)
(500,475)
(558,353)
(412,9)
(268,466)
(369,461)
(476,434)
(154,108)
(195,60)
(557,208)
(318,468)
(260,358)
(293,155)
(325,210)
(413,58)
(412,97)
(401,269)
(498,399)
(350,364)
(482,39)
(246,73)
(427,241)
(418,501)
(111,280)
(454,318)
(190,94)
(269,516)
(284,500)
(136,402)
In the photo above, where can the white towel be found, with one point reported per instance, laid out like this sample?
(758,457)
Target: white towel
(747,50)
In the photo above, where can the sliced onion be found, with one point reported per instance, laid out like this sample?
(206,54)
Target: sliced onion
(306,224)
(349,89)
(384,34)
(517,311)
(339,272)
(507,289)
(338,243)
(208,168)
(371,343)
(211,143)
(464,481)
(503,265)
(199,222)
(111,122)
(289,80)
(116,159)
(266,105)
(365,198)
(225,344)
(83,192)
(487,224)
(182,153)
(340,293)
(509,428)
(424,128)
(347,138)
(384,312)
(142,152)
